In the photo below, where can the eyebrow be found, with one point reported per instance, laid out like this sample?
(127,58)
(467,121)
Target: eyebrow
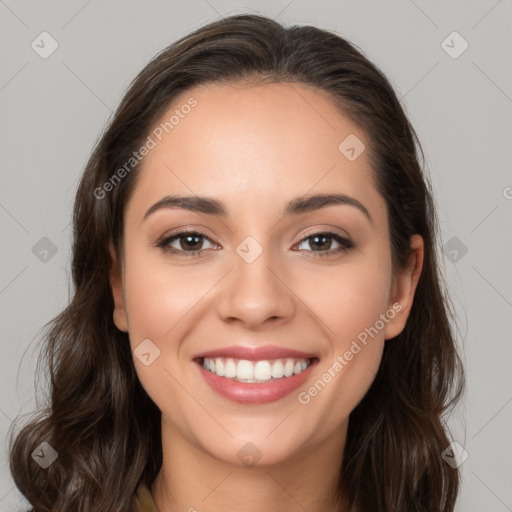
(302,204)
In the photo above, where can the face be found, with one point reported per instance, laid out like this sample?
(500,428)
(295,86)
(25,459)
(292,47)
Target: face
(316,279)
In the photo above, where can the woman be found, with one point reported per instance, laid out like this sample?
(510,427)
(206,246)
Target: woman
(258,319)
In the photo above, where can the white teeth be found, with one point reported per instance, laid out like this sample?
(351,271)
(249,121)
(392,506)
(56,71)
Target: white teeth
(245,370)
(262,371)
(277,369)
(255,371)
(288,368)
(219,367)
(230,369)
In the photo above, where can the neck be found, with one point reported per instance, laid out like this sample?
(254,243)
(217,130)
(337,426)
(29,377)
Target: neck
(191,479)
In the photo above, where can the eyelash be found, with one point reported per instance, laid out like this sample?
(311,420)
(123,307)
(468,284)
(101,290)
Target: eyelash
(345,244)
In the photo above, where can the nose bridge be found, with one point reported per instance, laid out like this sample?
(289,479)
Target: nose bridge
(254,291)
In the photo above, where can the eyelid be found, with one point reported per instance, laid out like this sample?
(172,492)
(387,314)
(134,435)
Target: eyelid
(181,230)
(330,230)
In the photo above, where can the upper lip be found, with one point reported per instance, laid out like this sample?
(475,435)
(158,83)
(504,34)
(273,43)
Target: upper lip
(265,352)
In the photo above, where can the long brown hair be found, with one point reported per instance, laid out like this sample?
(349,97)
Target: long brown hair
(99,419)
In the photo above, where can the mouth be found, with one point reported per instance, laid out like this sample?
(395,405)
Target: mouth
(255,381)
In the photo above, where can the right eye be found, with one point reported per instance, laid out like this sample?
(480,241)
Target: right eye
(185,240)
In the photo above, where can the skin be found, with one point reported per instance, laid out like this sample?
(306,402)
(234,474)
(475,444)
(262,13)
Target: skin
(255,148)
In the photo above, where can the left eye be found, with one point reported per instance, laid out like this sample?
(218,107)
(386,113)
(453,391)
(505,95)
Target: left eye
(323,243)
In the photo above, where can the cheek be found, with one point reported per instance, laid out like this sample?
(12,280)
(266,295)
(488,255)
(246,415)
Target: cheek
(160,300)
(350,297)
(158,297)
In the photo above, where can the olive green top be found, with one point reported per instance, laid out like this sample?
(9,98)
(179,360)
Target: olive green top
(144,499)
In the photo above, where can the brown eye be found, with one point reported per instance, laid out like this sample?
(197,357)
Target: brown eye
(185,243)
(321,243)
(193,242)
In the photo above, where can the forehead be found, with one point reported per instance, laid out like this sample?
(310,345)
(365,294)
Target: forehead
(251,145)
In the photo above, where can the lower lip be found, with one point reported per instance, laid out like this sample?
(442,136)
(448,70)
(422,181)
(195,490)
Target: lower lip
(254,393)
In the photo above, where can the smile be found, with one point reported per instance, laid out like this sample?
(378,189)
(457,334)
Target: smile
(255,382)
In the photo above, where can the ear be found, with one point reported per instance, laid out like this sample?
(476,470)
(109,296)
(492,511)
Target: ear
(116,284)
(403,289)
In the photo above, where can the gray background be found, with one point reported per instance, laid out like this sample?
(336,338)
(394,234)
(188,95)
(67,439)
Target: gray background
(53,110)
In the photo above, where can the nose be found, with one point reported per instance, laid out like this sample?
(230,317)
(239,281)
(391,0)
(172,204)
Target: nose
(256,293)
